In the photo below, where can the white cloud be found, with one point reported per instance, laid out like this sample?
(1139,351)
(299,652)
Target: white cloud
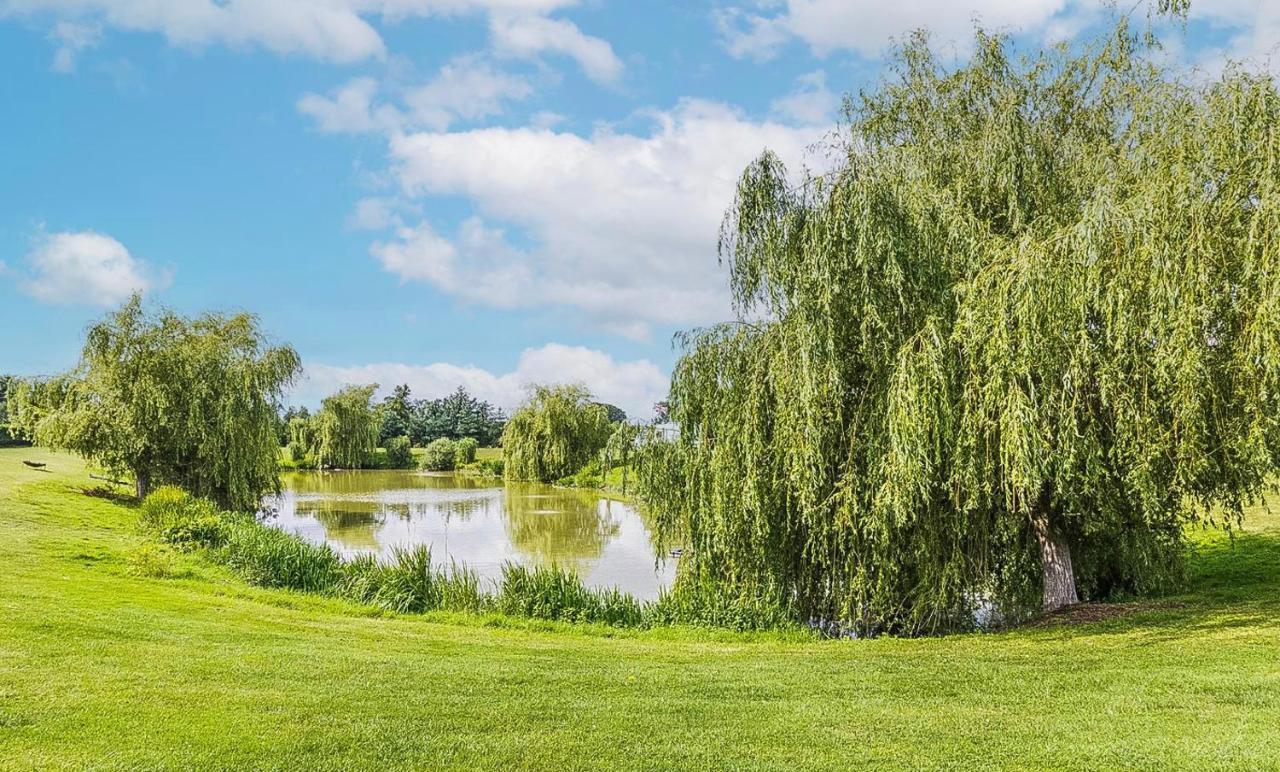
(72,38)
(546,119)
(529,35)
(468,88)
(84,267)
(633,385)
(1252,28)
(375,214)
(332,30)
(350,109)
(748,35)
(621,226)
(811,104)
(868,26)
(327,29)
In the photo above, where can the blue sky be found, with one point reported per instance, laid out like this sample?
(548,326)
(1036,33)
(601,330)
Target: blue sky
(441,192)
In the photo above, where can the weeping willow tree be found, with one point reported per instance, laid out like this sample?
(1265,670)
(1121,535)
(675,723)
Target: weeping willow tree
(554,433)
(167,399)
(1023,332)
(344,432)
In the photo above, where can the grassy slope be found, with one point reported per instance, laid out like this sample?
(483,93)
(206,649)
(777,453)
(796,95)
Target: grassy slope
(101,669)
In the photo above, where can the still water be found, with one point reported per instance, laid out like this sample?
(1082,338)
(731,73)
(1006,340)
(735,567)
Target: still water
(479,522)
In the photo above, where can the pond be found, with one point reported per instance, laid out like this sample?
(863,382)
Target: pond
(478,522)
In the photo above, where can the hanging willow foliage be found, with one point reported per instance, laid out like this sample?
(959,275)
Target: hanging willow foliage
(166,399)
(1025,330)
(344,432)
(554,433)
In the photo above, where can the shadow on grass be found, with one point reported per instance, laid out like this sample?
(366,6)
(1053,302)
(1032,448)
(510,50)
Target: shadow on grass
(111,494)
(1232,582)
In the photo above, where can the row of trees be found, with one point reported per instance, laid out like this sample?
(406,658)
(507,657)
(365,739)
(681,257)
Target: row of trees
(350,426)
(457,416)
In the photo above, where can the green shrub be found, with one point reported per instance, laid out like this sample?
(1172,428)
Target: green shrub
(202,531)
(441,455)
(269,557)
(399,453)
(589,476)
(493,467)
(150,560)
(171,507)
(465,450)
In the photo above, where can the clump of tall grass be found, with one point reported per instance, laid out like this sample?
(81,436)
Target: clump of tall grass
(556,593)
(703,604)
(269,557)
(410,583)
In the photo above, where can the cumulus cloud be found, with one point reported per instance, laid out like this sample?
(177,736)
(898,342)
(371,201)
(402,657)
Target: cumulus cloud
(866,27)
(467,88)
(622,226)
(326,29)
(350,109)
(377,213)
(332,30)
(631,385)
(84,267)
(810,104)
(1252,28)
(528,36)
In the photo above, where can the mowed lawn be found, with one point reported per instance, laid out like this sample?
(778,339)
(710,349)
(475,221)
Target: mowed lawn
(99,669)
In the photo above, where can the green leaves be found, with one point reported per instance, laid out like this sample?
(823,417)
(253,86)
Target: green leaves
(554,433)
(345,430)
(168,399)
(1045,284)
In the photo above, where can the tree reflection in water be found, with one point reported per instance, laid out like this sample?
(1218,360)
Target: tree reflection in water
(558,526)
(475,521)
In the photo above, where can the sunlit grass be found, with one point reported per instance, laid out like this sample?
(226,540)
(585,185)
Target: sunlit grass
(102,669)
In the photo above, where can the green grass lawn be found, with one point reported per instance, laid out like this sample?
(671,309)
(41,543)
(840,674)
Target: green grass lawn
(104,670)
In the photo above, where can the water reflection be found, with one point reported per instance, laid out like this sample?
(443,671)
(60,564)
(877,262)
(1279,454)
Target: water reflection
(476,521)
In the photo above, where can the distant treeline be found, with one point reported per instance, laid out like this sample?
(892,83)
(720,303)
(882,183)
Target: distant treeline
(454,417)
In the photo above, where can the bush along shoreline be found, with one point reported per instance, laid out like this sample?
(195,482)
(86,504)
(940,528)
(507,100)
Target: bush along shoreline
(409,583)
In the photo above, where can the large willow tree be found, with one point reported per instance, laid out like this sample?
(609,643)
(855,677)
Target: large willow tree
(554,433)
(344,432)
(167,399)
(1025,330)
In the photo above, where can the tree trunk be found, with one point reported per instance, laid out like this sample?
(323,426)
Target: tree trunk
(141,484)
(1055,562)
